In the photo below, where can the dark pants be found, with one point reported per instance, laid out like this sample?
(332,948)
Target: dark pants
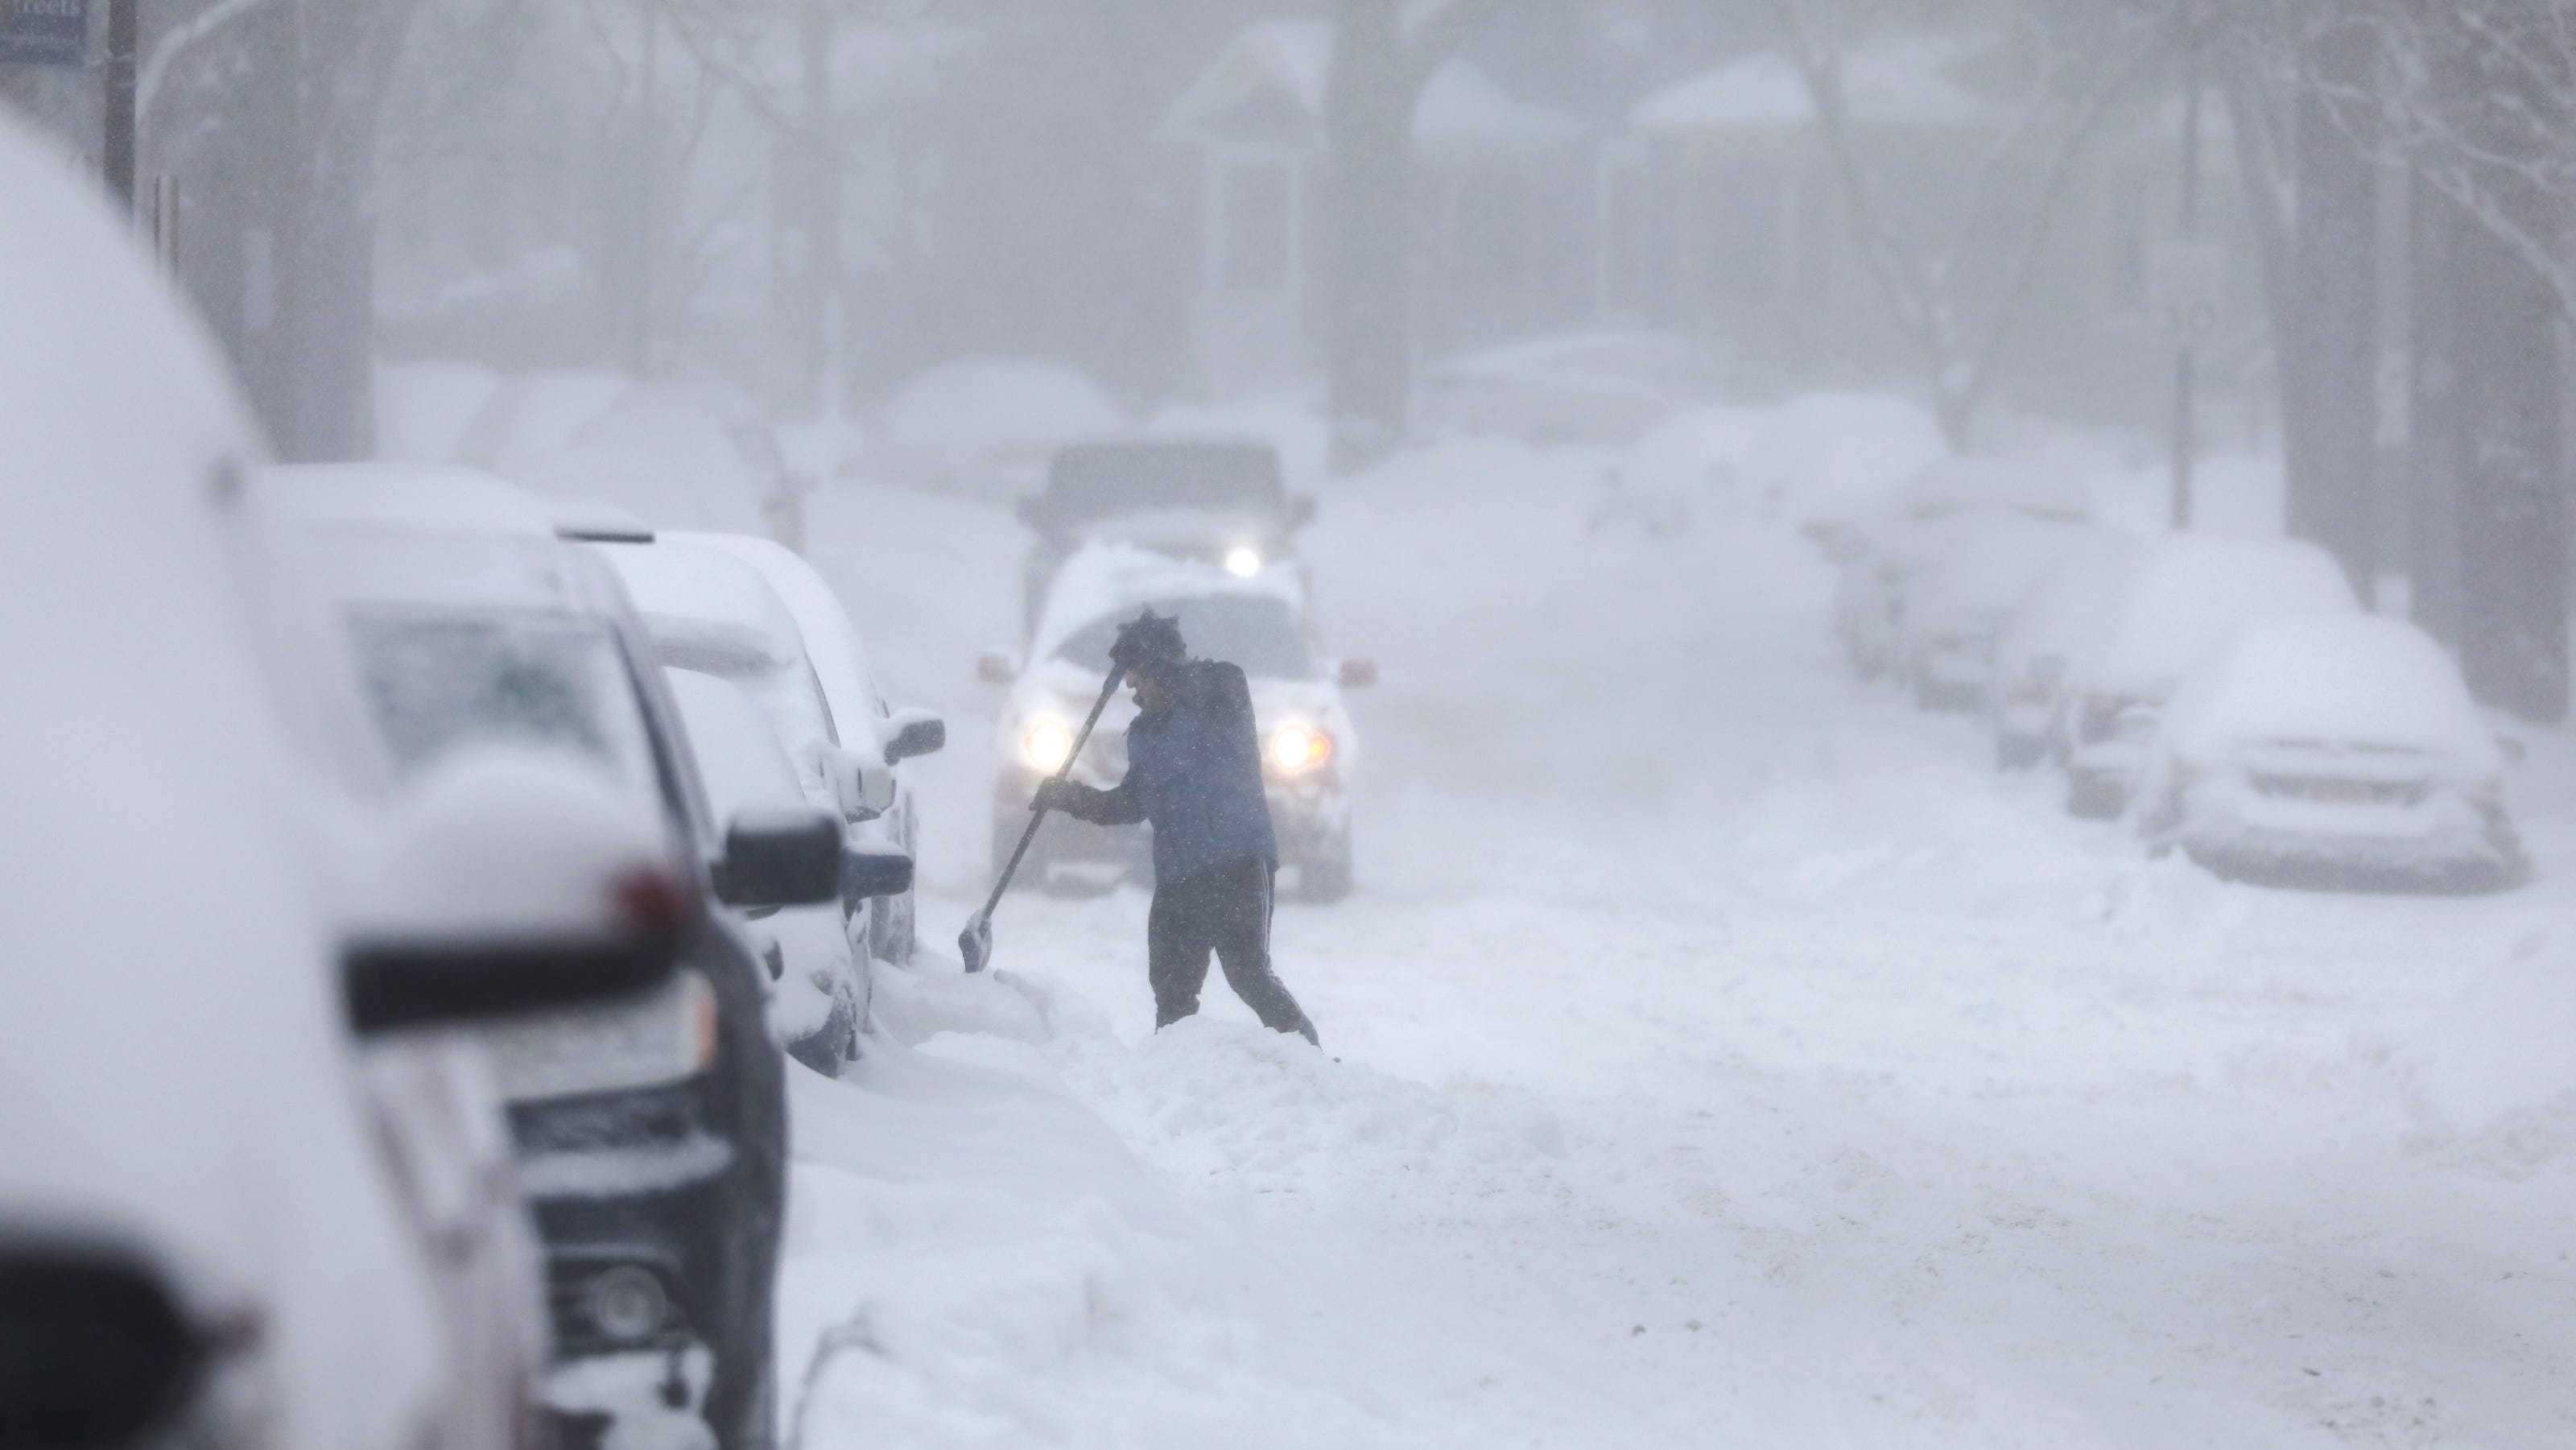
(1224,909)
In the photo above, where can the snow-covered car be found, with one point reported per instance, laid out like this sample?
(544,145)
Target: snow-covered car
(1259,622)
(863,722)
(713,612)
(1588,387)
(820,1004)
(986,429)
(683,456)
(2330,750)
(651,1132)
(1879,561)
(1977,568)
(254,1191)
(2037,640)
(2184,595)
(1216,499)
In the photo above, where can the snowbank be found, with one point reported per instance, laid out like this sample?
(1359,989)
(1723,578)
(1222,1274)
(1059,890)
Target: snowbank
(2492,1070)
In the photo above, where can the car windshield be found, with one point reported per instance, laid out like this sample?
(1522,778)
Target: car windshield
(441,681)
(1261,633)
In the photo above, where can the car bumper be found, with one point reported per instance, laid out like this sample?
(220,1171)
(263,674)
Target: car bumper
(2239,831)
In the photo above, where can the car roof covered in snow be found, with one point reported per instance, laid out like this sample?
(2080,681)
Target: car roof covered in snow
(2354,680)
(696,599)
(1108,578)
(433,536)
(2186,593)
(1984,564)
(832,643)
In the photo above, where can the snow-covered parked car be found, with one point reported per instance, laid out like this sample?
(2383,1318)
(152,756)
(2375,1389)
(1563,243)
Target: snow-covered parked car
(254,1191)
(2330,750)
(1259,622)
(2184,595)
(1587,387)
(651,1132)
(863,722)
(1880,561)
(1979,568)
(2037,640)
(714,614)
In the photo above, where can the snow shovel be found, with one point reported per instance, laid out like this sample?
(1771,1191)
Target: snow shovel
(975,943)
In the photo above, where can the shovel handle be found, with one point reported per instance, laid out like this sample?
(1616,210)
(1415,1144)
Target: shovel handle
(1064,772)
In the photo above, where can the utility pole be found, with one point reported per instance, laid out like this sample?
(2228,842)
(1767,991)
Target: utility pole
(2187,350)
(117,145)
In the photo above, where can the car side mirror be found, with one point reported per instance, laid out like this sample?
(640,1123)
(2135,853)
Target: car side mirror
(916,733)
(2049,670)
(1356,674)
(2513,749)
(865,789)
(98,1352)
(780,857)
(869,871)
(509,882)
(2136,726)
(996,669)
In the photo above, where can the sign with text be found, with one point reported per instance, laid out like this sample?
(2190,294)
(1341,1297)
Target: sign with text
(44,32)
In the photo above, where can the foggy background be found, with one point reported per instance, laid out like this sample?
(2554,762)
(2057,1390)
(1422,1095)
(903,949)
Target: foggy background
(1988,207)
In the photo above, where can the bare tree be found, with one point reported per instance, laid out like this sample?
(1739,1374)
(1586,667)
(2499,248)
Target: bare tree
(1384,53)
(2080,62)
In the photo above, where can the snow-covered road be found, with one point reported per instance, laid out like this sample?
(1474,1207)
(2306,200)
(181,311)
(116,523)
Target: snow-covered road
(1724,1057)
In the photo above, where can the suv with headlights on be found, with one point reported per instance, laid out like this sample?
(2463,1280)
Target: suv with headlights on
(1259,621)
(1218,500)
(651,1133)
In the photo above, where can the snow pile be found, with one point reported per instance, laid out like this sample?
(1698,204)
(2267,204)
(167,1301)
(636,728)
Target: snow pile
(423,409)
(2493,1073)
(2353,679)
(532,416)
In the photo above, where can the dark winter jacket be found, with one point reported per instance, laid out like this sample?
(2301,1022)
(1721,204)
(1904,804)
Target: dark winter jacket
(1194,774)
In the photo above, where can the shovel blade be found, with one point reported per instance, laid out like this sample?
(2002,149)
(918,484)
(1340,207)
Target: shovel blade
(975,943)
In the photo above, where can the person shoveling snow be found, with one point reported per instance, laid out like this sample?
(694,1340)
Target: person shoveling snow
(1194,774)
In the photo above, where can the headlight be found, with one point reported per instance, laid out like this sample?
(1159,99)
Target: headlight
(1296,747)
(662,1036)
(1243,561)
(1045,744)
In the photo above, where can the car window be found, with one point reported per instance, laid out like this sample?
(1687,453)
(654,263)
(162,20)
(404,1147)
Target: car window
(1263,634)
(438,681)
(739,754)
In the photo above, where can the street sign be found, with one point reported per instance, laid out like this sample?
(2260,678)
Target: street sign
(44,32)
(2187,287)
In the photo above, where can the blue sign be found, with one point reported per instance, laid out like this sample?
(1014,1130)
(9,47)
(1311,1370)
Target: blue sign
(44,32)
